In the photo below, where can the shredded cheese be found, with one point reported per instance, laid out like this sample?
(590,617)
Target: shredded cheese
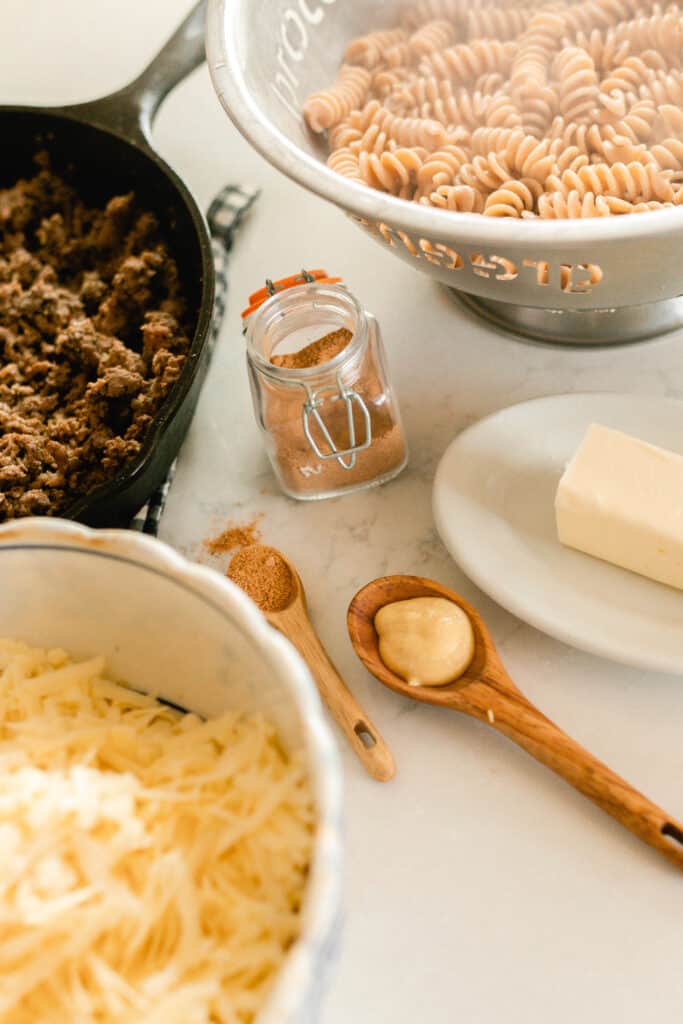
(152,865)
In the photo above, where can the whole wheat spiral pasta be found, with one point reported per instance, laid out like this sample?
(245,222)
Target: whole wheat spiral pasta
(467,61)
(392,171)
(559,205)
(664,88)
(485,173)
(371,50)
(497,22)
(669,155)
(606,49)
(578,84)
(440,168)
(659,32)
(435,35)
(502,112)
(635,181)
(573,108)
(457,197)
(638,121)
(570,158)
(345,162)
(327,108)
(415,15)
(628,77)
(600,14)
(408,131)
(513,198)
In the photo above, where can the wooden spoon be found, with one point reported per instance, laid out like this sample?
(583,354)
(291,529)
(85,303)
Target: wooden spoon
(294,623)
(488,693)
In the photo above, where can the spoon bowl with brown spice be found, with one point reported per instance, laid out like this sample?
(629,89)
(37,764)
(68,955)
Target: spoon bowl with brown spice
(275,586)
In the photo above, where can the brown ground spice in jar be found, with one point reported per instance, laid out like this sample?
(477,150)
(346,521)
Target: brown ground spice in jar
(318,352)
(301,470)
(263,574)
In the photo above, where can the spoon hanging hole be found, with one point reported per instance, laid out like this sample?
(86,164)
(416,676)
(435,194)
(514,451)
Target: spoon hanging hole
(364,735)
(672,832)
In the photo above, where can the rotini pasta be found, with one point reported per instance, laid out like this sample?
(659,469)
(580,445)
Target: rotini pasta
(628,78)
(485,173)
(534,52)
(561,205)
(457,197)
(392,171)
(467,61)
(637,123)
(497,22)
(573,108)
(605,49)
(427,10)
(346,162)
(435,35)
(327,108)
(440,168)
(634,182)
(577,85)
(669,154)
(513,198)
(602,14)
(662,33)
(371,50)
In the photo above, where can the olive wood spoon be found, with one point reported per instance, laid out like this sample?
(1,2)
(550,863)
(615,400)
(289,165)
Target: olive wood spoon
(294,623)
(488,693)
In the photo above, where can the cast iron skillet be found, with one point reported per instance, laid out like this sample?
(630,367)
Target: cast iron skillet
(108,142)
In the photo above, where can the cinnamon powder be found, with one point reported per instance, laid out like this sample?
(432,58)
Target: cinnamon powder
(300,470)
(235,536)
(264,575)
(318,352)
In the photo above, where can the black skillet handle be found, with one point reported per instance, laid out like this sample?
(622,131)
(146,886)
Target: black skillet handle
(130,111)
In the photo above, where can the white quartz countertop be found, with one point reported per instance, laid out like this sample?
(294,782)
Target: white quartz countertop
(479,887)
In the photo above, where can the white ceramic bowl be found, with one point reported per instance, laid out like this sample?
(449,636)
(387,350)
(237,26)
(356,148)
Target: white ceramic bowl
(196,640)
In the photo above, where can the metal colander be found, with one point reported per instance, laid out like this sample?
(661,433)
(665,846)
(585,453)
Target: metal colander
(593,281)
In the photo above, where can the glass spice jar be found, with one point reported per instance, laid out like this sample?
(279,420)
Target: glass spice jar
(321,392)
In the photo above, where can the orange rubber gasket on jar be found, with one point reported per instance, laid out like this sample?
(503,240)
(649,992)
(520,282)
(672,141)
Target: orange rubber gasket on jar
(256,299)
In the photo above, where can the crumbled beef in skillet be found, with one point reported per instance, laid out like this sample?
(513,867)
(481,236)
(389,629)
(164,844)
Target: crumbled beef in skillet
(93,335)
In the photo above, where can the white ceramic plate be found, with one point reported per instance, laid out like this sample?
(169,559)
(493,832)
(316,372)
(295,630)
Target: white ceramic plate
(493,506)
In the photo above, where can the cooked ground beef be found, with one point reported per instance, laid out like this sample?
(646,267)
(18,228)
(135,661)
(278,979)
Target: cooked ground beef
(93,334)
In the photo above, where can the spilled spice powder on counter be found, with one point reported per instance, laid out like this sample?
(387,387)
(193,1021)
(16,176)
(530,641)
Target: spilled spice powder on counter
(235,536)
(317,353)
(264,575)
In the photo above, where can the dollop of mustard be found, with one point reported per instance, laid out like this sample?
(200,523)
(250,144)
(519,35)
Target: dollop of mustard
(428,641)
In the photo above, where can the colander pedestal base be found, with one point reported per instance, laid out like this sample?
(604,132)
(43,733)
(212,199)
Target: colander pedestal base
(621,326)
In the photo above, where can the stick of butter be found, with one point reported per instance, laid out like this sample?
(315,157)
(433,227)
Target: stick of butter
(621,500)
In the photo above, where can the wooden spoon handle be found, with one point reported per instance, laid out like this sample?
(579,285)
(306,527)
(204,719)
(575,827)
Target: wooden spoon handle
(365,739)
(512,714)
